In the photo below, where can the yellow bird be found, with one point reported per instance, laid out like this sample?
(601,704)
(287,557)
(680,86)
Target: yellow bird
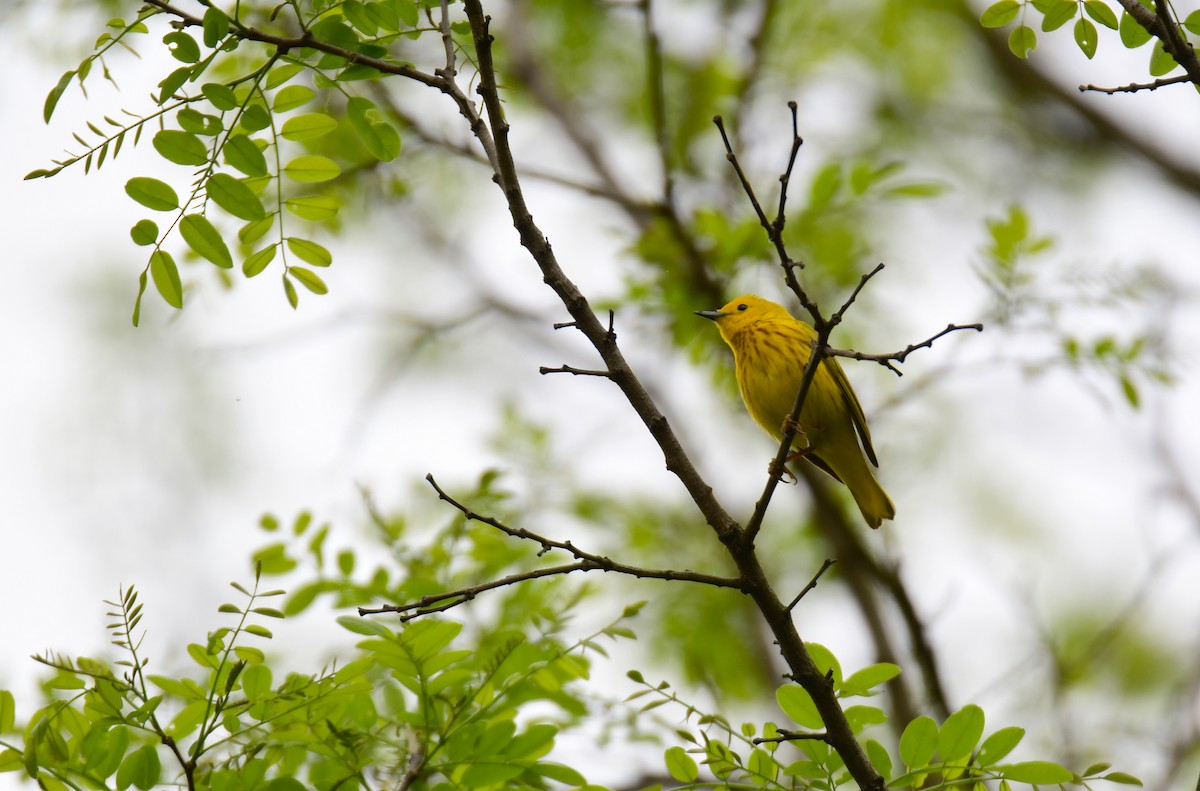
(771,349)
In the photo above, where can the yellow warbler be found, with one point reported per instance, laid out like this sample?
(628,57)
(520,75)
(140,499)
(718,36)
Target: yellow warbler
(771,348)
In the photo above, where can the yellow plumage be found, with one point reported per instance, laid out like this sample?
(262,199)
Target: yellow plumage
(771,349)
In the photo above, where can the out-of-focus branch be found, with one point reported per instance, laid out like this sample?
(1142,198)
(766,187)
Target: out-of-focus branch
(1026,79)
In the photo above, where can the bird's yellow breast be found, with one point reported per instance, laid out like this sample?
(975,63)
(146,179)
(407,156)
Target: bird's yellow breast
(770,358)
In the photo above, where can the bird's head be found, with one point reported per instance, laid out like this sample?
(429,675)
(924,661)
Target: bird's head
(741,312)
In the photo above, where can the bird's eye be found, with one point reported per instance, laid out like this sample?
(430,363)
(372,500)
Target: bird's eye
(743,306)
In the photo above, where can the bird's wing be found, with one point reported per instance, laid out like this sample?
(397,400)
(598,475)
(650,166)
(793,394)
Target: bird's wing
(820,464)
(856,410)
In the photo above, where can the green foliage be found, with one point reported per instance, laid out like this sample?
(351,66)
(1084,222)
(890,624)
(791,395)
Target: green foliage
(1034,297)
(275,137)
(1087,14)
(428,699)
(235,127)
(948,756)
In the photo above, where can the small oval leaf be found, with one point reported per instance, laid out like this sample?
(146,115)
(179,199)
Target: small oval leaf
(234,197)
(308,279)
(311,169)
(152,193)
(165,275)
(205,240)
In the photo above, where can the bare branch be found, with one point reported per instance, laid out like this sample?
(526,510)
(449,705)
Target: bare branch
(812,583)
(566,369)
(774,228)
(793,736)
(886,359)
(836,318)
(1134,87)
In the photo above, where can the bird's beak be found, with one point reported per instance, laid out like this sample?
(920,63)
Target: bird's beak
(711,314)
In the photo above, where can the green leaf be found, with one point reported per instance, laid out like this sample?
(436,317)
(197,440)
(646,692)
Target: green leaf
(960,733)
(8,711)
(999,744)
(1000,13)
(363,626)
(234,197)
(1130,391)
(681,766)
(310,252)
(243,153)
(258,631)
(258,261)
(1059,14)
(1099,11)
(144,232)
(11,761)
(137,303)
(408,13)
(1087,37)
(152,193)
(172,83)
(489,773)
(182,46)
(166,278)
(216,26)
(1161,62)
(256,682)
(255,117)
(182,148)
(1035,772)
(284,784)
(308,279)
(1192,24)
(205,240)
(291,97)
(533,743)
(825,661)
(918,742)
(879,758)
(356,14)
(289,291)
(311,169)
(141,769)
(560,774)
(199,123)
(251,232)
(862,682)
(317,208)
(308,126)
(1133,35)
(860,717)
(1122,778)
(220,96)
(55,94)
(795,702)
(283,73)
(381,139)
(1022,40)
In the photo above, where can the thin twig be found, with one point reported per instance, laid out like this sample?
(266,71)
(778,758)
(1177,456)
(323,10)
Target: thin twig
(1134,87)
(586,561)
(793,736)
(566,369)
(886,360)
(450,69)
(812,583)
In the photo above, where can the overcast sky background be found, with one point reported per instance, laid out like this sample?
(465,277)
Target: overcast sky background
(145,456)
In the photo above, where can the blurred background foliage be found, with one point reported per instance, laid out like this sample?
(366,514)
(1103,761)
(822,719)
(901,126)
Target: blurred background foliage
(986,183)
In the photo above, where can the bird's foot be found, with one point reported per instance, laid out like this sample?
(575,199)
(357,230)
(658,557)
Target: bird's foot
(781,472)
